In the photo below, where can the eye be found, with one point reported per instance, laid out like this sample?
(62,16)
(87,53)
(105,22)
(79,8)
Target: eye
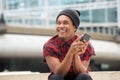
(58,23)
(65,22)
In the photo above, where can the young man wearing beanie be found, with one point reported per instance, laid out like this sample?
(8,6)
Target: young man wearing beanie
(67,57)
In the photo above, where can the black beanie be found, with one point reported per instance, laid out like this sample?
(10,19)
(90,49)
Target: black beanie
(72,14)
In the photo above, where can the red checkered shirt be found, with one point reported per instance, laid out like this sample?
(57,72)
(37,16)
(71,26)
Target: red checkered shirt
(58,48)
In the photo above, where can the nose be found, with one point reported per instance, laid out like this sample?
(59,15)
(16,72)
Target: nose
(61,25)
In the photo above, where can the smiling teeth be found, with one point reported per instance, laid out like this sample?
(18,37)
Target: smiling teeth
(62,30)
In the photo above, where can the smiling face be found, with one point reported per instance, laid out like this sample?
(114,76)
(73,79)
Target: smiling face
(65,28)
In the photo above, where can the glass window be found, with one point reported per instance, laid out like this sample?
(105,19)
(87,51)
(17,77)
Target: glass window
(88,29)
(106,30)
(13,4)
(111,0)
(9,20)
(101,29)
(53,2)
(21,4)
(111,31)
(52,22)
(37,21)
(92,0)
(98,16)
(82,1)
(112,15)
(41,3)
(27,21)
(33,3)
(81,28)
(67,1)
(95,29)
(101,0)
(85,16)
(28,3)
(18,20)
(118,31)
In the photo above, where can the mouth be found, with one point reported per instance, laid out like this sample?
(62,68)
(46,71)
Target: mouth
(62,31)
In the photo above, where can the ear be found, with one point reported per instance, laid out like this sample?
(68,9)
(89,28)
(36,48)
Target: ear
(75,29)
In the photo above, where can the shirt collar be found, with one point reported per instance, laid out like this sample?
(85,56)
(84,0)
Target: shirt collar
(61,41)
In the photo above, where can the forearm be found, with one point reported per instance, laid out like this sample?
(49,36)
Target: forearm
(78,65)
(64,66)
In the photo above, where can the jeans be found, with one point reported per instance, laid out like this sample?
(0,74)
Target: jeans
(79,77)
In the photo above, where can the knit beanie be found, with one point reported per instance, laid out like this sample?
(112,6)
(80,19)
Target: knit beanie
(72,14)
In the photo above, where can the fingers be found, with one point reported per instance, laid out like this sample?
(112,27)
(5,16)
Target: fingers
(78,46)
(78,39)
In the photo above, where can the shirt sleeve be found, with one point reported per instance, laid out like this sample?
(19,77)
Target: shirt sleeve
(48,50)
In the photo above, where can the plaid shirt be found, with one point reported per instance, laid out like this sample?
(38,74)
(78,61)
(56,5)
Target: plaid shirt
(58,48)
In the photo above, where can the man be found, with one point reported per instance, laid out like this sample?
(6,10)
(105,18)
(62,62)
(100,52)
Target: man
(67,57)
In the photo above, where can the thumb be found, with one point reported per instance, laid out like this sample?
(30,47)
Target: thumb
(78,39)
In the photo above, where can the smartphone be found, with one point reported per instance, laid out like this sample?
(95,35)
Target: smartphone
(86,37)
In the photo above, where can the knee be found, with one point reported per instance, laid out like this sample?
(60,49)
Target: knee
(83,77)
(56,77)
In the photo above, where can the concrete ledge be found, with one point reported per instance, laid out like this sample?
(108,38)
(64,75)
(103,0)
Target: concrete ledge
(109,75)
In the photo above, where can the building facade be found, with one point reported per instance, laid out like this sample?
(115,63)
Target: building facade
(43,12)
(97,16)
(101,17)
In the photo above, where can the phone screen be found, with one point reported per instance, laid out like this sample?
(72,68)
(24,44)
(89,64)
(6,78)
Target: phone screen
(86,37)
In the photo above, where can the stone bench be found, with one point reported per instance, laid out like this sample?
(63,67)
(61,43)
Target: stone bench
(105,75)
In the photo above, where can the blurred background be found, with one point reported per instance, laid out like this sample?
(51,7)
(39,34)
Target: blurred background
(25,25)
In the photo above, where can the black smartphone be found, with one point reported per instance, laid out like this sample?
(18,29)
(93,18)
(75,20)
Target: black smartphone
(86,37)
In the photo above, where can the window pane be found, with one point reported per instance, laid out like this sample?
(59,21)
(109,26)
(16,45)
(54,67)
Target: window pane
(33,3)
(98,15)
(112,15)
(53,2)
(82,1)
(67,1)
(85,16)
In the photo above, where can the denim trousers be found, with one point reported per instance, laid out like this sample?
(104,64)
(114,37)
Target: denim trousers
(79,77)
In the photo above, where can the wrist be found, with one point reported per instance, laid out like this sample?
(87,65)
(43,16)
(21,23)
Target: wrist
(76,56)
(69,55)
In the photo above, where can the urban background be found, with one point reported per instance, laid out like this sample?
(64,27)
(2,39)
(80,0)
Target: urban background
(25,25)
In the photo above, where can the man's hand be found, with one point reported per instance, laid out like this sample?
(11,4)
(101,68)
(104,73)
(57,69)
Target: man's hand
(82,48)
(78,47)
